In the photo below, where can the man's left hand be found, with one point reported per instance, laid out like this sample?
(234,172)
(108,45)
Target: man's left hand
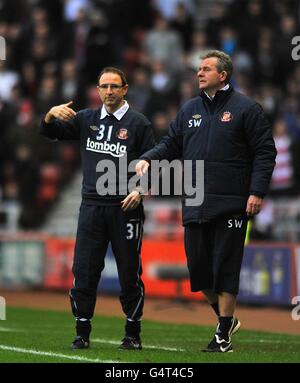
(131,201)
(254,204)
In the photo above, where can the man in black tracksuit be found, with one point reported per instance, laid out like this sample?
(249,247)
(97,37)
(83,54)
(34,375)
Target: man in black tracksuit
(110,138)
(231,134)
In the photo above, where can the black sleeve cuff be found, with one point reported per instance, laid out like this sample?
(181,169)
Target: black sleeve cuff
(257,194)
(145,159)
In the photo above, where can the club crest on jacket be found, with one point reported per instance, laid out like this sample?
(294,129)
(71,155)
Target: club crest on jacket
(122,134)
(226,117)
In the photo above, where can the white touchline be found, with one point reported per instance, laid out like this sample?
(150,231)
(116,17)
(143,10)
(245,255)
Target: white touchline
(144,346)
(53,354)
(251,341)
(273,341)
(7,329)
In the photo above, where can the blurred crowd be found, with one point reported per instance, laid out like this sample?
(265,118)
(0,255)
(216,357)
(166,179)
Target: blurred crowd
(55,50)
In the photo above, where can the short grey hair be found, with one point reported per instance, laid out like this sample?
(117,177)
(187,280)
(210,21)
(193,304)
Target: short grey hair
(224,62)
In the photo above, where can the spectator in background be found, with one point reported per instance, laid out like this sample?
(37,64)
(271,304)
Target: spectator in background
(42,33)
(265,57)
(164,45)
(161,80)
(183,23)
(40,56)
(199,46)
(29,81)
(287,30)
(47,94)
(92,97)
(168,8)
(160,123)
(228,40)
(243,62)
(72,7)
(187,91)
(98,47)
(8,79)
(140,90)
(252,20)
(291,115)
(162,89)
(217,20)
(286,176)
(81,31)
(269,99)
(10,190)
(69,86)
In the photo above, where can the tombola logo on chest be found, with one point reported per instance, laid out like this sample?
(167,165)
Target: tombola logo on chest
(115,150)
(196,120)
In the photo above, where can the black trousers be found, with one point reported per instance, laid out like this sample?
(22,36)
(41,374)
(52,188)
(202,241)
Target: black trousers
(214,253)
(97,226)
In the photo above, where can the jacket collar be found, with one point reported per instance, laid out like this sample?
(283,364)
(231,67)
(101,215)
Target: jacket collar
(118,113)
(220,94)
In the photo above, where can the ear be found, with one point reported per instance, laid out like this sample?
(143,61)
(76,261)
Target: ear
(125,89)
(223,76)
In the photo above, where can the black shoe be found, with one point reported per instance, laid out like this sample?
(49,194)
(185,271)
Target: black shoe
(130,343)
(79,343)
(236,324)
(219,345)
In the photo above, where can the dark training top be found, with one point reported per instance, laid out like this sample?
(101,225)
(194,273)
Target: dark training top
(104,139)
(233,137)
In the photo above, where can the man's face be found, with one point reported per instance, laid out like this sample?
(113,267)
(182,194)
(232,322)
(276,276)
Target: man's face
(208,75)
(111,90)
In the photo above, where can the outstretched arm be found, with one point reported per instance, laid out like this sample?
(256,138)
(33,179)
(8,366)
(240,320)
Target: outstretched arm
(62,112)
(61,123)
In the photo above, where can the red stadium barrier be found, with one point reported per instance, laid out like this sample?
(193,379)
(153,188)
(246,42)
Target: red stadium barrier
(58,264)
(158,257)
(270,272)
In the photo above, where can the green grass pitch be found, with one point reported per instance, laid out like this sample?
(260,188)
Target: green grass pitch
(41,336)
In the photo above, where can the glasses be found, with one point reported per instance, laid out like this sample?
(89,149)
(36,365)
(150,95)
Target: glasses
(112,86)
